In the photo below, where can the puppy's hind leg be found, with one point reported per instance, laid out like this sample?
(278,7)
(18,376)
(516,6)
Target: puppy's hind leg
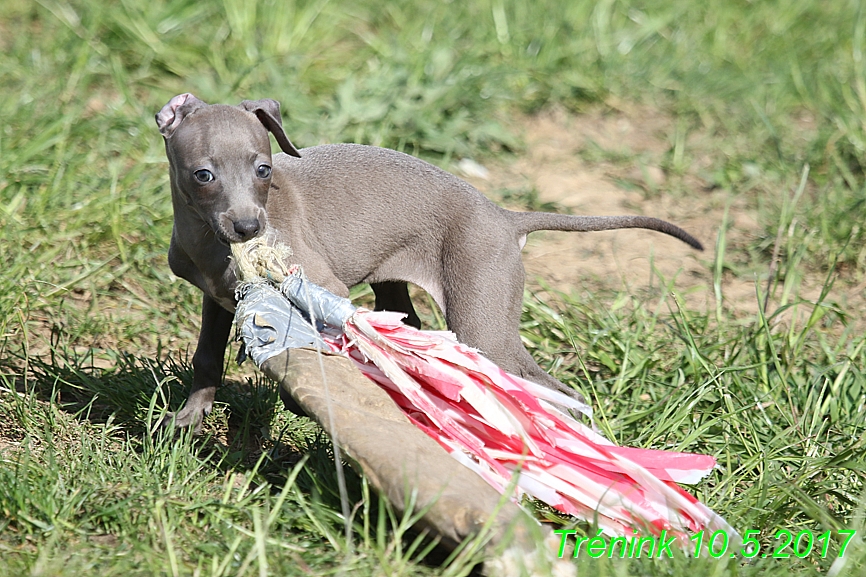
(531,371)
(484,313)
(394,296)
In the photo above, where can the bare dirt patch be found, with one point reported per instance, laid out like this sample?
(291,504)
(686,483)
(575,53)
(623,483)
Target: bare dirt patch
(611,162)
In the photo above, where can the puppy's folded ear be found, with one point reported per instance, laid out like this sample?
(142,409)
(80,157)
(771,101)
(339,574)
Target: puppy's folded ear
(173,113)
(268,112)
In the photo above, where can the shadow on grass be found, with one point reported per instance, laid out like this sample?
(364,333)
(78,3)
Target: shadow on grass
(131,394)
(248,432)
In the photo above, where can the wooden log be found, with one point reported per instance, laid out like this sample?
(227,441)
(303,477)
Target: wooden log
(396,456)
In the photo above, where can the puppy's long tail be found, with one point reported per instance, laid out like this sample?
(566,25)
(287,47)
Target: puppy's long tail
(526,222)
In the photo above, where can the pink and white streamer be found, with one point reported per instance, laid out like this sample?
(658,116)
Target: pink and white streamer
(499,425)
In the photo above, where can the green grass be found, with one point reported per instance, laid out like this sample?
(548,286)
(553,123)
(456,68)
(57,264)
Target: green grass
(95,332)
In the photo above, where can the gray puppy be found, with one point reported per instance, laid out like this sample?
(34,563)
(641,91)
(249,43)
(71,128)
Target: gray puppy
(352,214)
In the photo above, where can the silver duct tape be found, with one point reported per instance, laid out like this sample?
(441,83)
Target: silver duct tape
(323,306)
(268,324)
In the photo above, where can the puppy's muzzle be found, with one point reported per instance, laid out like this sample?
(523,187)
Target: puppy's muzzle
(231,228)
(247,228)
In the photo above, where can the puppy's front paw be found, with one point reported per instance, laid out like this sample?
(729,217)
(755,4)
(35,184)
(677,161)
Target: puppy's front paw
(188,417)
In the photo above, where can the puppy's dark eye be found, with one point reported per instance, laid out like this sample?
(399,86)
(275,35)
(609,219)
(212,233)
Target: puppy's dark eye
(263,171)
(203,176)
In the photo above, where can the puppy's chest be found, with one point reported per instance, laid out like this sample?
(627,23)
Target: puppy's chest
(220,286)
(214,277)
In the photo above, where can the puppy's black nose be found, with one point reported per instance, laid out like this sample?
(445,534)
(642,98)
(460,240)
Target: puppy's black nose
(247,228)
